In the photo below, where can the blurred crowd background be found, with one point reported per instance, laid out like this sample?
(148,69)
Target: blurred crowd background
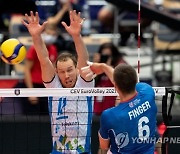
(105,22)
(110,32)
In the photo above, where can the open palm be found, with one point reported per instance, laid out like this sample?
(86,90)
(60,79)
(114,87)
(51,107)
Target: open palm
(75,23)
(32,24)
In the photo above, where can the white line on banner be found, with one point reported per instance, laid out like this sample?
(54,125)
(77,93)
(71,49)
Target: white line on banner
(44,92)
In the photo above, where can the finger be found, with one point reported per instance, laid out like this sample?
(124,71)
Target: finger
(91,75)
(89,63)
(84,68)
(94,75)
(27,18)
(44,24)
(64,24)
(32,16)
(79,17)
(74,15)
(37,17)
(24,23)
(71,16)
(82,21)
(86,71)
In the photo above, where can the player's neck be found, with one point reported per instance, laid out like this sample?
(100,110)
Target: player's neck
(127,97)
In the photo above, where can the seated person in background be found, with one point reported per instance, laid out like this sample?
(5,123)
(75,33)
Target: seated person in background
(63,6)
(32,71)
(106,16)
(73,5)
(62,14)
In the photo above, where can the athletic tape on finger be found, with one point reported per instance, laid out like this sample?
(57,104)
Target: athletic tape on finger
(91,75)
(89,63)
(85,68)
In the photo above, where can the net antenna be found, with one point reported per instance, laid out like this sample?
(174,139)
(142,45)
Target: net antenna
(139,39)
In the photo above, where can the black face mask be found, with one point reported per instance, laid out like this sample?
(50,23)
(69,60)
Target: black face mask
(104,58)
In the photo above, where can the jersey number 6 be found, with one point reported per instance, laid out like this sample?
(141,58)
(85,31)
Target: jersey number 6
(143,128)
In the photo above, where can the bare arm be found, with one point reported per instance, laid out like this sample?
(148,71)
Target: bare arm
(35,30)
(75,31)
(104,143)
(99,68)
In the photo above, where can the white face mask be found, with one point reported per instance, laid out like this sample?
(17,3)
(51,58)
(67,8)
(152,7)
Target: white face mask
(49,39)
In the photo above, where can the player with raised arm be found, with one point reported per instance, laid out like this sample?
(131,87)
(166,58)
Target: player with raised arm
(130,127)
(71,117)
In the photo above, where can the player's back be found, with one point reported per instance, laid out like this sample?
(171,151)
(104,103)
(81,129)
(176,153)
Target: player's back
(132,125)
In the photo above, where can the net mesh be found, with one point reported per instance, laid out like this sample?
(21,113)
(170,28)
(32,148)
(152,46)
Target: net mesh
(27,128)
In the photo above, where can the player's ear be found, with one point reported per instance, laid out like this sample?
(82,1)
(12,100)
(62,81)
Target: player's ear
(115,85)
(117,89)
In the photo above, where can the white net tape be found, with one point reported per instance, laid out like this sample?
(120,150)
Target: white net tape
(44,92)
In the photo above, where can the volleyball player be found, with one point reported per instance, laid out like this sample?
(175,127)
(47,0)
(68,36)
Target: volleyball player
(70,116)
(129,127)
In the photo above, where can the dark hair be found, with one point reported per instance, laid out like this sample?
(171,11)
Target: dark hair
(116,54)
(125,78)
(65,56)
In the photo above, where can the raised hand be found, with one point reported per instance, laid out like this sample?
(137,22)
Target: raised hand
(32,24)
(94,69)
(87,73)
(76,22)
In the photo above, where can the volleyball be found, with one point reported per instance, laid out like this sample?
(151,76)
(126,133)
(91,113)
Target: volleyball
(12,51)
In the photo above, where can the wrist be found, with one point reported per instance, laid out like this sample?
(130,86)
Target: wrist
(76,36)
(103,66)
(36,36)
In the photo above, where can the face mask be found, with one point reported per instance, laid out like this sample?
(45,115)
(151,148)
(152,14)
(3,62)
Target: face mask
(49,39)
(104,58)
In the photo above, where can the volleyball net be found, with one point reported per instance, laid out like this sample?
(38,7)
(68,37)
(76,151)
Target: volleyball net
(25,131)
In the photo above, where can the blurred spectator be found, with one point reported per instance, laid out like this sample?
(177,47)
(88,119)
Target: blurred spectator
(73,5)
(4,22)
(63,7)
(108,53)
(106,16)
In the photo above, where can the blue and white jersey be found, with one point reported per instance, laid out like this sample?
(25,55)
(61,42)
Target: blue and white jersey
(71,118)
(131,126)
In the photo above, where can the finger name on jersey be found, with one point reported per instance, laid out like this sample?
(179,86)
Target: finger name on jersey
(139,110)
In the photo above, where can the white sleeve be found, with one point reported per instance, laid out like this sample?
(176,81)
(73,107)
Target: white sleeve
(54,83)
